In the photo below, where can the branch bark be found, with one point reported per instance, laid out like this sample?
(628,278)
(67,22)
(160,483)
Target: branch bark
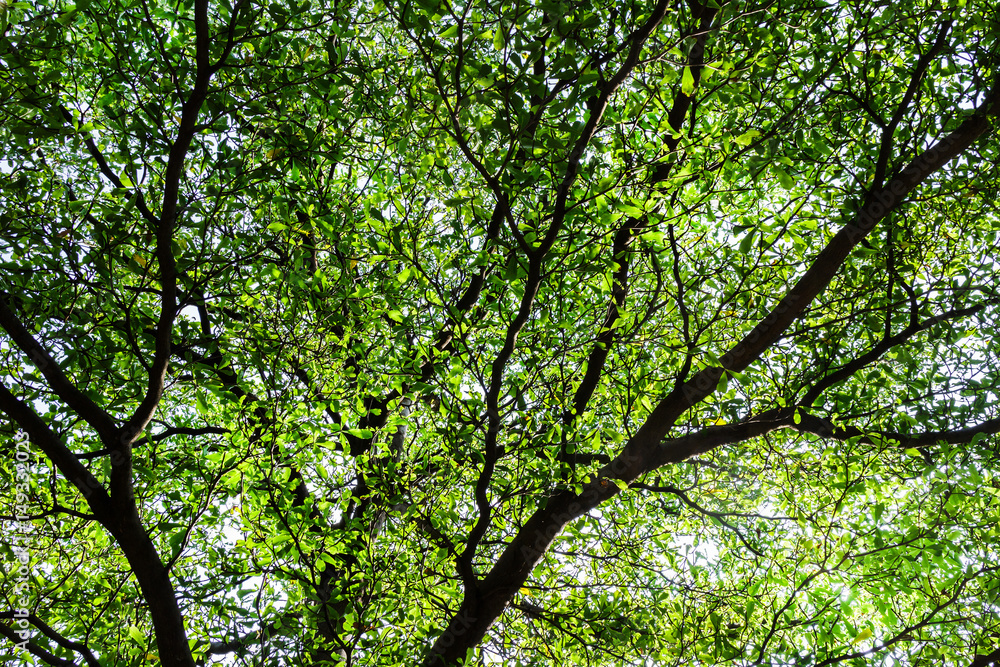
(646,451)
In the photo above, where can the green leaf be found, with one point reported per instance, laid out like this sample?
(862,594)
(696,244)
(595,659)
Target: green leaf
(419,291)
(746,138)
(687,82)
(783,177)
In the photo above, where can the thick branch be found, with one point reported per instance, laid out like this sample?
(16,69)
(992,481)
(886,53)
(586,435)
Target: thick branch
(822,427)
(35,649)
(597,108)
(69,644)
(985,660)
(631,228)
(79,402)
(51,445)
(165,230)
(875,206)
(645,451)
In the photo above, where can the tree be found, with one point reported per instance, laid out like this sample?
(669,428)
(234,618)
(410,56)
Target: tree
(532,333)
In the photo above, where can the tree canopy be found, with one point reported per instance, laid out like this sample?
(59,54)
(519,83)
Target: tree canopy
(636,332)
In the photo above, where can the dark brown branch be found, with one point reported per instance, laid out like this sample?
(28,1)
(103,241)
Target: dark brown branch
(598,105)
(632,227)
(52,446)
(987,659)
(885,150)
(164,244)
(645,451)
(875,206)
(105,168)
(821,427)
(532,283)
(679,110)
(79,402)
(68,644)
(35,649)
(153,577)
(883,346)
(122,523)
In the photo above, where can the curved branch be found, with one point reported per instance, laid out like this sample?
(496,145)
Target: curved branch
(69,644)
(35,649)
(165,234)
(821,427)
(883,346)
(885,150)
(51,445)
(64,388)
(645,451)
(718,516)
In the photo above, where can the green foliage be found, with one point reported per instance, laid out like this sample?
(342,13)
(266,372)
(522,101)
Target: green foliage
(431,273)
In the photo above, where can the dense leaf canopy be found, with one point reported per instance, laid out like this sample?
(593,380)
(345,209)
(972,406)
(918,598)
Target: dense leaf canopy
(528,333)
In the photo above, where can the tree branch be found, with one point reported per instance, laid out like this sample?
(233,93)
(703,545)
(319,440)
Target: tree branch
(883,346)
(79,402)
(885,150)
(645,451)
(164,242)
(68,644)
(51,445)
(35,649)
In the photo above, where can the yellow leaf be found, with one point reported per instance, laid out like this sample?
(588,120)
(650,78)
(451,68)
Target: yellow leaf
(863,635)
(745,138)
(687,82)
